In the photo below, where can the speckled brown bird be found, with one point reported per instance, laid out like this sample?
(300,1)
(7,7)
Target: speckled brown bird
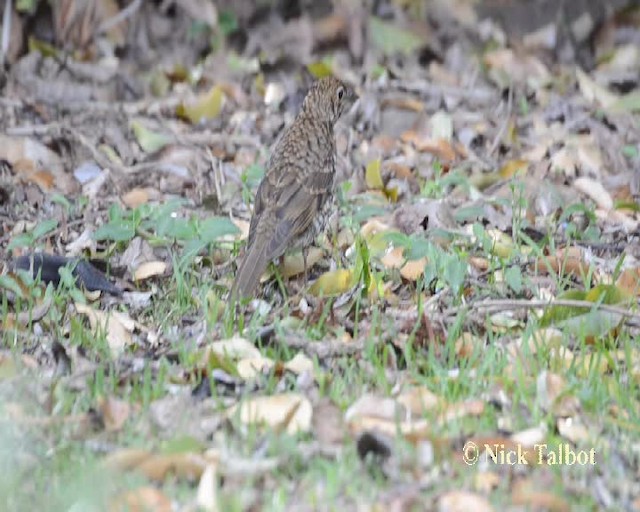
(294,199)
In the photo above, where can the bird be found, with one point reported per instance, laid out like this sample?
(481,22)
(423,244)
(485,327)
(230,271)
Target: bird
(294,198)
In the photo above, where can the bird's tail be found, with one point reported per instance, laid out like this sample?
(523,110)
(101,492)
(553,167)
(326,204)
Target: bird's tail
(248,275)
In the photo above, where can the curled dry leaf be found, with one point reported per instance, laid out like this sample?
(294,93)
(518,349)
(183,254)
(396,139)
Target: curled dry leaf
(115,325)
(486,481)
(206,106)
(291,412)
(440,148)
(419,400)
(595,191)
(629,281)
(142,499)
(158,467)
(463,501)
(565,261)
(573,430)
(138,196)
(207,496)
(530,436)
(328,423)
(334,282)
(252,367)
(391,417)
(369,405)
(149,269)
(126,459)
(294,263)
(35,162)
(517,66)
(467,343)
(299,364)
(551,395)
(234,348)
(114,413)
(594,92)
(410,270)
(524,492)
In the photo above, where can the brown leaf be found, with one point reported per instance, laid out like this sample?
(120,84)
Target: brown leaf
(328,423)
(629,281)
(463,501)
(565,261)
(524,493)
(186,465)
(440,148)
(142,499)
(551,395)
(114,413)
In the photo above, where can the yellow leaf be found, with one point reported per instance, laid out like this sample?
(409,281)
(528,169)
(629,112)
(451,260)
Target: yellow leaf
(512,167)
(373,176)
(207,106)
(149,141)
(608,293)
(319,69)
(334,282)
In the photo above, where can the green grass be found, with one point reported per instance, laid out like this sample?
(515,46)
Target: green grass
(54,461)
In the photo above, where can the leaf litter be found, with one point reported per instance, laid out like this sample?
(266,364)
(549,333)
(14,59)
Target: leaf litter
(478,285)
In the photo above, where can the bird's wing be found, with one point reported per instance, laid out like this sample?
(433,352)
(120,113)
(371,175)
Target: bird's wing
(296,198)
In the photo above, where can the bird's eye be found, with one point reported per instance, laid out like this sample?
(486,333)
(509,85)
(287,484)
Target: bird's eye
(340,93)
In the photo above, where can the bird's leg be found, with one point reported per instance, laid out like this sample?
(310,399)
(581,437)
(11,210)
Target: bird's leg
(304,263)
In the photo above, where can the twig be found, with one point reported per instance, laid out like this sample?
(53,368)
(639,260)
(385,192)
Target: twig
(6,30)
(503,126)
(506,304)
(322,349)
(424,88)
(129,10)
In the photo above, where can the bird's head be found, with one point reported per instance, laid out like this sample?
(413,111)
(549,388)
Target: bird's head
(328,99)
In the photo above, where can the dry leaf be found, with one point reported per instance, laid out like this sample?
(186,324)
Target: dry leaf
(149,269)
(142,499)
(440,148)
(234,348)
(412,270)
(207,106)
(551,395)
(524,493)
(114,413)
(573,430)
(294,263)
(629,281)
(419,400)
(116,326)
(595,191)
(300,364)
(252,367)
(463,501)
(207,496)
(594,92)
(328,423)
(291,412)
(334,282)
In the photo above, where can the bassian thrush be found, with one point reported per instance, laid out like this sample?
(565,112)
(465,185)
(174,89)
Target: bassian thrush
(294,199)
